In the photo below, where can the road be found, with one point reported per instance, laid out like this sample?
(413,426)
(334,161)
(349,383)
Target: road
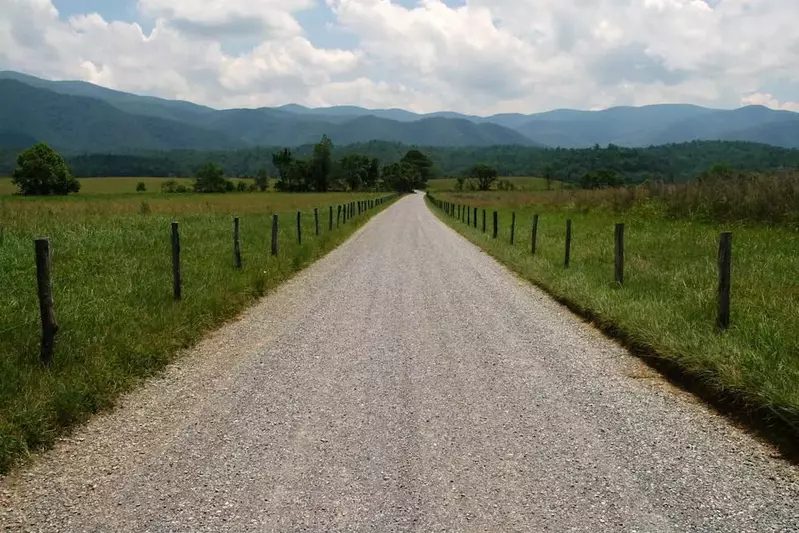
(406,382)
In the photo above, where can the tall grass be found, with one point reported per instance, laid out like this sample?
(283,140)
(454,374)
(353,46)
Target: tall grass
(111,267)
(667,303)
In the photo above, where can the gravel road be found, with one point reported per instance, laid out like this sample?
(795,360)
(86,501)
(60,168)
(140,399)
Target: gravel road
(406,382)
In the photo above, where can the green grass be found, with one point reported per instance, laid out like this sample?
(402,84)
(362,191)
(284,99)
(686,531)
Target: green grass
(111,268)
(668,302)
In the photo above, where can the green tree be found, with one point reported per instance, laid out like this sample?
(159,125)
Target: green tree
(262,179)
(141,187)
(422,166)
(283,161)
(400,177)
(41,170)
(211,178)
(356,169)
(322,163)
(484,175)
(373,174)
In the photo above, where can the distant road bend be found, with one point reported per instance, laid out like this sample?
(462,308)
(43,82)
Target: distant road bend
(406,382)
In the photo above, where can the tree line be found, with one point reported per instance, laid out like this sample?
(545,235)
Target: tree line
(40,170)
(673,162)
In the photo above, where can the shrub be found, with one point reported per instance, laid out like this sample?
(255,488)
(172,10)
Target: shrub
(505,185)
(241,186)
(141,187)
(211,178)
(42,171)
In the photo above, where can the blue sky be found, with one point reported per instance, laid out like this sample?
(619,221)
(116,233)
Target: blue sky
(474,56)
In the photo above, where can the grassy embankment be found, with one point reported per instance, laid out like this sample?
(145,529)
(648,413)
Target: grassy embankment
(111,267)
(667,306)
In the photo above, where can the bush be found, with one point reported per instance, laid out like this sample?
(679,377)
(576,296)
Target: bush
(211,178)
(241,186)
(505,185)
(42,171)
(141,187)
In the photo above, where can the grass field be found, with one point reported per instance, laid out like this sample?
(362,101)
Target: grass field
(519,184)
(668,302)
(109,185)
(112,282)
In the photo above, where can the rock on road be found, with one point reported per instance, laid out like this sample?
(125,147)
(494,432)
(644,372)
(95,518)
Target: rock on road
(406,382)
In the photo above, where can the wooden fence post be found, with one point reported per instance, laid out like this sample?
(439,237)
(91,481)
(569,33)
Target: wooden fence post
(46,306)
(177,277)
(619,253)
(475,218)
(299,227)
(236,244)
(496,229)
(316,220)
(468,216)
(274,234)
(725,280)
(330,224)
(512,227)
(484,220)
(534,237)
(567,261)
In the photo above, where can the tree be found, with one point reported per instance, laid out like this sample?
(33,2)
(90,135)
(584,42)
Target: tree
(373,174)
(41,170)
(484,175)
(262,179)
(401,177)
(549,174)
(356,169)
(211,178)
(283,162)
(322,163)
(141,187)
(422,166)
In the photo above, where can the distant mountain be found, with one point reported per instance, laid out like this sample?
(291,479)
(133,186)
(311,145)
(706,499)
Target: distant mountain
(82,124)
(80,116)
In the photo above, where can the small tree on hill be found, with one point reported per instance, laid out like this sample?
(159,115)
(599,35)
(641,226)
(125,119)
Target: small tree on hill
(211,178)
(42,171)
(484,175)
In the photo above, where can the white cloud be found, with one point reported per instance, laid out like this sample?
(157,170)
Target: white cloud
(766,99)
(481,57)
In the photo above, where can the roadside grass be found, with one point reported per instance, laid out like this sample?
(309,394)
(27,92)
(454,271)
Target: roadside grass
(667,306)
(112,281)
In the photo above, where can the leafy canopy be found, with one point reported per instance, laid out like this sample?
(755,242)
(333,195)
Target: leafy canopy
(41,170)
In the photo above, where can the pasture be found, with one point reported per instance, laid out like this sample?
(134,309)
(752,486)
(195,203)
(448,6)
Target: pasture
(112,283)
(667,304)
(520,183)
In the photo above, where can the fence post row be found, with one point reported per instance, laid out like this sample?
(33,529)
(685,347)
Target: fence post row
(725,280)
(619,253)
(512,227)
(236,244)
(177,278)
(568,242)
(274,234)
(535,234)
(46,306)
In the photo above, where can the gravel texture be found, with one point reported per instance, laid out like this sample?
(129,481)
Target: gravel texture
(406,382)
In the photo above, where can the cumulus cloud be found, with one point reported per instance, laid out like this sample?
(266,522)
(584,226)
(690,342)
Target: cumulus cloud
(483,56)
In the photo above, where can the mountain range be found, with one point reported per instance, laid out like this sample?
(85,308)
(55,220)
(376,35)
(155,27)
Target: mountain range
(79,117)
